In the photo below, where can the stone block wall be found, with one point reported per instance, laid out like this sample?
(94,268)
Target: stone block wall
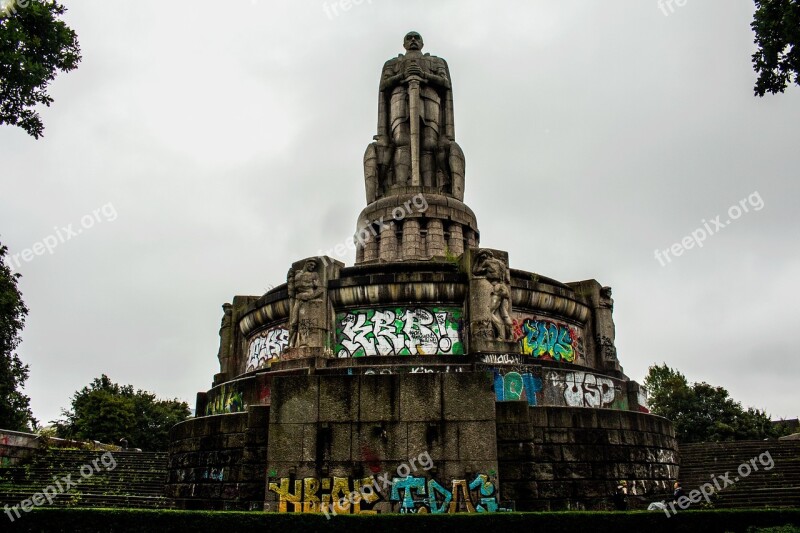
(217,462)
(331,435)
(15,447)
(558,458)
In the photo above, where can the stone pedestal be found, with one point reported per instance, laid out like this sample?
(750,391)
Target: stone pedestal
(414,224)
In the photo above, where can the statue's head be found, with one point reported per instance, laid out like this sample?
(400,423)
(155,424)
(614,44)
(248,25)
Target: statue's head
(227,308)
(413,41)
(311,265)
(484,254)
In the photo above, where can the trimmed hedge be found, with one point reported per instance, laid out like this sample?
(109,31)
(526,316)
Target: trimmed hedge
(163,521)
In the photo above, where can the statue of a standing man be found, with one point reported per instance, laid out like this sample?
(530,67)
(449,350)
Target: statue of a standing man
(415,93)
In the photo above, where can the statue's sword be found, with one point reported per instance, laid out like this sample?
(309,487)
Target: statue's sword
(413,102)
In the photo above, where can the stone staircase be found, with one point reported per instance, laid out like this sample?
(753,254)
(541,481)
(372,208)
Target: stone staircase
(778,487)
(137,480)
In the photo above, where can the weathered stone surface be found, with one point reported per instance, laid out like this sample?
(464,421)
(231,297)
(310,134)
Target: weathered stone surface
(300,396)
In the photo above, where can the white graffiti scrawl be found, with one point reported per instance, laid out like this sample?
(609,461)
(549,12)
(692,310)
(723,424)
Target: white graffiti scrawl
(266,347)
(399,331)
(582,389)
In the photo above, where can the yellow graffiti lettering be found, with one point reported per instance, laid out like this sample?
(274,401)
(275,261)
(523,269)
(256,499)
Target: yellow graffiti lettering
(285,496)
(368,496)
(310,498)
(340,495)
(460,486)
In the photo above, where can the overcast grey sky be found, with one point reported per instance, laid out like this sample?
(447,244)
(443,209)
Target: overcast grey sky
(220,141)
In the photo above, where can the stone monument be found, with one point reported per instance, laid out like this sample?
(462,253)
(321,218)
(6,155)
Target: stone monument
(430,377)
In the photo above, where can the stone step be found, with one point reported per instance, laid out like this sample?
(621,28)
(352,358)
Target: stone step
(778,487)
(136,481)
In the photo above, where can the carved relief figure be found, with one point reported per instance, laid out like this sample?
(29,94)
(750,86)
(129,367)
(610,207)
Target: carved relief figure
(304,288)
(496,273)
(225,336)
(605,327)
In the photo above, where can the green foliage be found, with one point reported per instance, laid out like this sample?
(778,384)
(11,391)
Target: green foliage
(34,46)
(702,412)
(450,257)
(107,412)
(15,411)
(776,24)
(167,521)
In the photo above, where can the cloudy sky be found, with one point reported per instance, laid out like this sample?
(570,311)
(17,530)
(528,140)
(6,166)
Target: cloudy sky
(201,147)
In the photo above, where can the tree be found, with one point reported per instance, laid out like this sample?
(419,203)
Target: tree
(15,411)
(776,24)
(702,412)
(34,46)
(107,412)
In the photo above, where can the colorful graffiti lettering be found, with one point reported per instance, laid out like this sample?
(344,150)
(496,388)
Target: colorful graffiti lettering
(306,496)
(214,474)
(544,339)
(399,331)
(408,495)
(266,348)
(226,401)
(516,386)
(582,389)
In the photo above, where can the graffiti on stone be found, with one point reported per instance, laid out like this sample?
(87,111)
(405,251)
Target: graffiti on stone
(501,358)
(584,389)
(433,369)
(226,400)
(266,347)
(545,339)
(516,386)
(4,461)
(409,495)
(214,474)
(641,400)
(399,331)
(375,371)
(264,387)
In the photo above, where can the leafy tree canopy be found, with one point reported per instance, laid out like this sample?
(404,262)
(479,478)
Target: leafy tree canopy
(15,412)
(702,412)
(776,24)
(107,412)
(34,46)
